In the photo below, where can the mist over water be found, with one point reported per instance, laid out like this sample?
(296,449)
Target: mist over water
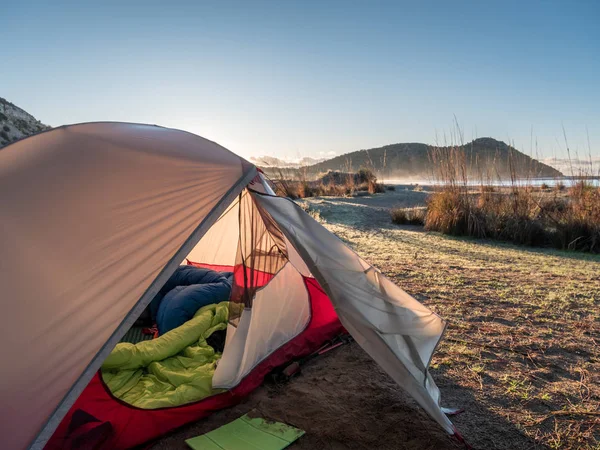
(566,181)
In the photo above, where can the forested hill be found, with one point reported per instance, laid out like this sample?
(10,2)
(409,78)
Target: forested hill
(483,157)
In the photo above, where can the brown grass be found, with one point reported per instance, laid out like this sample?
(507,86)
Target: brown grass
(408,216)
(563,218)
(332,184)
(520,353)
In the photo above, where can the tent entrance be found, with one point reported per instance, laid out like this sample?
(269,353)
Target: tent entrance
(267,305)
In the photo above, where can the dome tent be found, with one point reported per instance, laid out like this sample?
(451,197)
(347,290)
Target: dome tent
(106,212)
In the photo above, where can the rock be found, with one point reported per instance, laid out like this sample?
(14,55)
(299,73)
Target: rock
(16,123)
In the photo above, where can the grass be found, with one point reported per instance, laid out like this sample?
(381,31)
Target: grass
(408,216)
(521,216)
(520,352)
(520,213)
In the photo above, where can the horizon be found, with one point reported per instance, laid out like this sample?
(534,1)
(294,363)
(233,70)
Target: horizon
(293,80)
(564,165)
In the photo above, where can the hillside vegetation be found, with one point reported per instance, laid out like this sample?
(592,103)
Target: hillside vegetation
(15,123)
(485,157)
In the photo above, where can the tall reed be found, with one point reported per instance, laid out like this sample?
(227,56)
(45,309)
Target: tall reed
(517,212)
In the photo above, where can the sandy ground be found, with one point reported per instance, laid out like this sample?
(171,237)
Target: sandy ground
(343,401)
(520,346)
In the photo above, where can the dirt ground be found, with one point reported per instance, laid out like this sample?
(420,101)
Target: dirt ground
(520,354)
(343,401)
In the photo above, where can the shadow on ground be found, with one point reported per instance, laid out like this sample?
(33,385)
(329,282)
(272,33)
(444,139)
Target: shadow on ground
(345,401)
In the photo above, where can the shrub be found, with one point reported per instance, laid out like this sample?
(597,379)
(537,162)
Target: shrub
(521,230)
(332,190)
(579,226)
(4,135)
(6,128)
(408,216)
(22,124)
(305,190)
(390,187)
(336,184)
(566,219)
(448,212)
(285,188)
(365,176)
(578,235)
(521,216)
(3,117)
(374,187)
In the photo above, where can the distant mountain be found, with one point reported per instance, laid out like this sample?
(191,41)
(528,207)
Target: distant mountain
(272,161)
(484,157)
(15,123)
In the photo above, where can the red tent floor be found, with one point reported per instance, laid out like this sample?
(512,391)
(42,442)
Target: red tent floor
(100,421)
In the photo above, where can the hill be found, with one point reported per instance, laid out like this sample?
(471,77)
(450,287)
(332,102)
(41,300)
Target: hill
(483,156)
(16,123)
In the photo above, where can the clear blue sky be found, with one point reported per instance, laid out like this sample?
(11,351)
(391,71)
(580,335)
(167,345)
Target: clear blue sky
(311,77)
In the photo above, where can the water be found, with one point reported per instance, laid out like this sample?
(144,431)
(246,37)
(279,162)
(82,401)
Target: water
(566,181)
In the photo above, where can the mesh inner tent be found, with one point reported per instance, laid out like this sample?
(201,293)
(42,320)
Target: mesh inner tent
(261,253)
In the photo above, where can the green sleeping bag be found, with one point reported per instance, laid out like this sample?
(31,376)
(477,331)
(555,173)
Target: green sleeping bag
(172,370)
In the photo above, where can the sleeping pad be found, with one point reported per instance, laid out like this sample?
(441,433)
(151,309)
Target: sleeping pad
(171,370)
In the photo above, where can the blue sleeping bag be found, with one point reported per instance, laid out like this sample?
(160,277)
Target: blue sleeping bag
(187,290)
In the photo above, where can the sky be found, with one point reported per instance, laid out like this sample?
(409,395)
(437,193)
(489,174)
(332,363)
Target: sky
(314,78)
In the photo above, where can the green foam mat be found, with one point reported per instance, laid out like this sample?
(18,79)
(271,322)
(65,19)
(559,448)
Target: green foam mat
(247,433)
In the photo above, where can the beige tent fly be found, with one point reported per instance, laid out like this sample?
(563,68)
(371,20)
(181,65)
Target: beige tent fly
(96,217)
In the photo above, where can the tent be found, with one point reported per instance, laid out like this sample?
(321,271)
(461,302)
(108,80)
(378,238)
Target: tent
(97,216)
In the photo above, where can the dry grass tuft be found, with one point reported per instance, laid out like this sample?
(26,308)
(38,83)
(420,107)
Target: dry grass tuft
(567,219)
(408,216)
(331,184)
